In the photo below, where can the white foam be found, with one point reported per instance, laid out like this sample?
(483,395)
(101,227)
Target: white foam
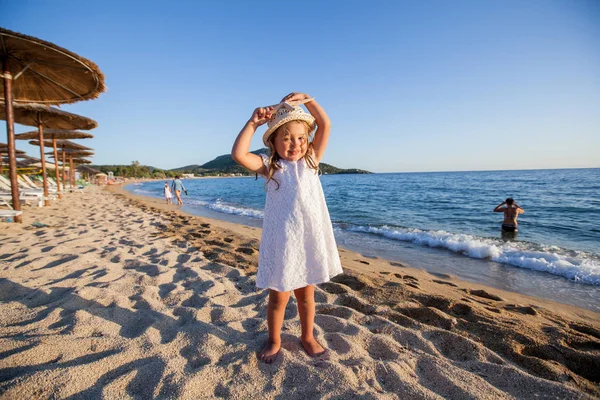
(144,192)
(235,209)
(581,267)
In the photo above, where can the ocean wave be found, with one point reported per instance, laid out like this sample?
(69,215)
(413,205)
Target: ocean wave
(144,192)
(219,206)
(578,266)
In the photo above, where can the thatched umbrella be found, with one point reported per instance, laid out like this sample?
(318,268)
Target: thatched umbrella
(81,161)
(4,150)
(84,169)
(75,164)
(63,145)
(42,116)
(71,153)
(55,134)
(34,70)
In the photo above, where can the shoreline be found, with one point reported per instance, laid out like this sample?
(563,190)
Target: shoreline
(373,266)
(121,293)
(512,279)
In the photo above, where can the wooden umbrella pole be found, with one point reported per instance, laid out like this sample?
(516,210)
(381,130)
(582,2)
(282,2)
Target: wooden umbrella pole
(56,171)
(64,174)
(43,160)
(10,133)
(71,176)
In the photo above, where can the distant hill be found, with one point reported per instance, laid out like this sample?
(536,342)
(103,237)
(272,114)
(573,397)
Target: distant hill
(221,165)
(225,165)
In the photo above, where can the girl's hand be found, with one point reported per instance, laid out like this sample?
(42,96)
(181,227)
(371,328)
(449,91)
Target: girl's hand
(261,115)
(294,96)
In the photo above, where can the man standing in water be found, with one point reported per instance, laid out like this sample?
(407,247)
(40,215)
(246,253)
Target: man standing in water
(178,188)
(511,211)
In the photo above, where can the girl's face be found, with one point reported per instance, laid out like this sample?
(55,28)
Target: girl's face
(291,143)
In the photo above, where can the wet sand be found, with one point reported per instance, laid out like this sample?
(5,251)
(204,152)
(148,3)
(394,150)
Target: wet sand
(124,296)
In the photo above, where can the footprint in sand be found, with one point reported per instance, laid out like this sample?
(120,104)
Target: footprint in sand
(483,294)
(245,250)
(350,281)
(527,310)
(444,283)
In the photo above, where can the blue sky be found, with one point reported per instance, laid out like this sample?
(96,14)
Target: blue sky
(408,85)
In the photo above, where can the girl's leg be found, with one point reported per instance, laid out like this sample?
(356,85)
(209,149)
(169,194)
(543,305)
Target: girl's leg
(275,313)
(306,309)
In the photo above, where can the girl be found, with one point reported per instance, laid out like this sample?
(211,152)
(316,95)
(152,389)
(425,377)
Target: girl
(168,195)
(297,248)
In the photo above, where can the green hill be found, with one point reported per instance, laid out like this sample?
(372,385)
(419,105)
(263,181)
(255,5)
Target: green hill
(222,165)
(225,165)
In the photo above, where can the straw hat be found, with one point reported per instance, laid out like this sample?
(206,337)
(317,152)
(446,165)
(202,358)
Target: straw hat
(286,114)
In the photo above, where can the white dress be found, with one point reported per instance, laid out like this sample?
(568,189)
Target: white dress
(297,247)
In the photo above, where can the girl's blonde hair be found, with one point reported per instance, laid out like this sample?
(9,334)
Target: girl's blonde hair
(274,157)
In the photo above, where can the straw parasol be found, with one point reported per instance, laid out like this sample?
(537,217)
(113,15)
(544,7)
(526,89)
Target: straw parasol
(71,153)
(62,144)
(4,150)
(32,114)
(67,144)
(81,161)
(34,70)
(84,169)
(48,73)
(42,116)
(55,134)
(58,134)
(75,163)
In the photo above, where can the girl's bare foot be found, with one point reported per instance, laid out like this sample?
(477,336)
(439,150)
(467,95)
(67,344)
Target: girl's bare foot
(270,352)
(312,347)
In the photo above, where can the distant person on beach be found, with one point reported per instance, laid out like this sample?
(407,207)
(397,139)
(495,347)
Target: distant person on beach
(178,188)
(297,248)
(511,211)
(168,195)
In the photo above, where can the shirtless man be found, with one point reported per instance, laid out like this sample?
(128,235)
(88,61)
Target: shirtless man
(511,212)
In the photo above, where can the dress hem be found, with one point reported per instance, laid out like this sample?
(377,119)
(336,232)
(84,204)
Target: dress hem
(271,287)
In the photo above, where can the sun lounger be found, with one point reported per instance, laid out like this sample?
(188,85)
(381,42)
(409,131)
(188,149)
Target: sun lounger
(25,194)
(24,198)
(29,182)
(33,186)
(9,215)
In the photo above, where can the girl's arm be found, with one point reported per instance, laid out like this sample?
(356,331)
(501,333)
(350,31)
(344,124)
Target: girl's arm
(323,123)
(241,148)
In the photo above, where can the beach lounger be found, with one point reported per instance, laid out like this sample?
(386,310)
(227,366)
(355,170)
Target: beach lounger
(29,182)
(25,194)
(9,215)
(33,186)
(24,198)
(5,184)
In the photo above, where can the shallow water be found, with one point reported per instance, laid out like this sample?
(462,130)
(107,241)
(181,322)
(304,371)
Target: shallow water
(443,222)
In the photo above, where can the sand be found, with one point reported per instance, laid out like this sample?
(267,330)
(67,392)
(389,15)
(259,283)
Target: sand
(125,297)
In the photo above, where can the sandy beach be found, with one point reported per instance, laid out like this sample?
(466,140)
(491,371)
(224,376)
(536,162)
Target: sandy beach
(119,296)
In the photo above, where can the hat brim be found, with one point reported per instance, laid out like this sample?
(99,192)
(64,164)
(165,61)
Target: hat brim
(302,117)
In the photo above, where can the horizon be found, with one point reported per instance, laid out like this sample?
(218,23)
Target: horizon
(372,172)
(427,87)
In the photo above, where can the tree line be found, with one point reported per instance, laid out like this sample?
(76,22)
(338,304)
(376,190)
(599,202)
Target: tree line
(135,170)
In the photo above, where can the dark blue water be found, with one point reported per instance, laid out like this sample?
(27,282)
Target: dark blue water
(444,222)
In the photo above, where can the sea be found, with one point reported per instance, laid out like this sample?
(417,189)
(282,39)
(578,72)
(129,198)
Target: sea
(443,222)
